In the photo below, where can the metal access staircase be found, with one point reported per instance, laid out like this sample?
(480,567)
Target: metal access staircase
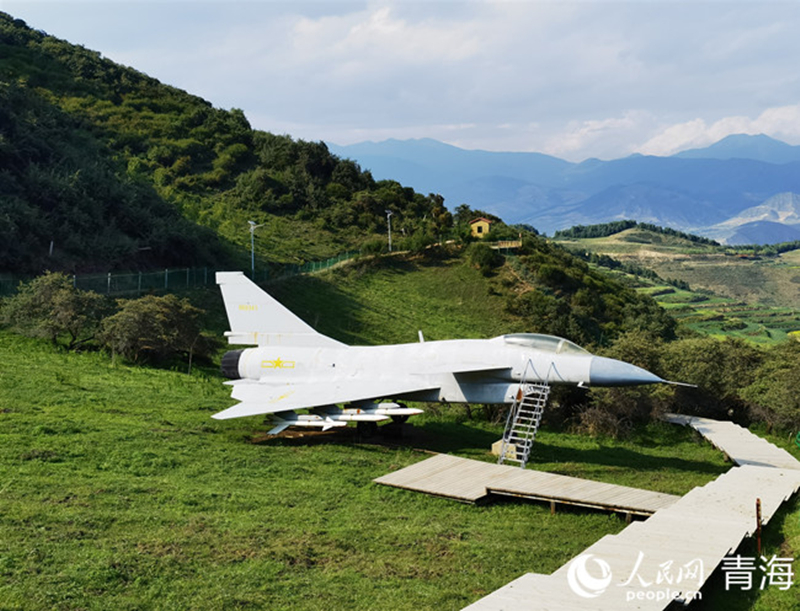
(523,423)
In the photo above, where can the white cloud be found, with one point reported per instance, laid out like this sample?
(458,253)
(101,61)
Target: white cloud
(575,79)
(599,136)
(782,122)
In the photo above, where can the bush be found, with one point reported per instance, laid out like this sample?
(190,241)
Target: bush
(483,257)
(600,421)
(373,247)
(773,394)
(615,412)
(51,307)
(154,329)
(720,369)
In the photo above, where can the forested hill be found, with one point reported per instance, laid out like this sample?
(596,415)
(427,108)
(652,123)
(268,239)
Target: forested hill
(603,230)
(117,170)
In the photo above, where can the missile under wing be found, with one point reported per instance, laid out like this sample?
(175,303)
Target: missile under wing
(293,367)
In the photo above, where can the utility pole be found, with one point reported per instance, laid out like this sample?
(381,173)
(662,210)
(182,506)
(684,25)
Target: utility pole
(389,214)
(253,228)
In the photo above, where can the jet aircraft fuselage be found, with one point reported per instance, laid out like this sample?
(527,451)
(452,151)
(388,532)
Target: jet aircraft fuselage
(294,367)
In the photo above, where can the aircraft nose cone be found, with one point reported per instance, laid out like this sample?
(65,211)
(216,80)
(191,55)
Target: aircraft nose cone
(609,372)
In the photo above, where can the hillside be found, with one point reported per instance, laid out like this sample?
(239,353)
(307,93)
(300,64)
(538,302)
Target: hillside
(120,491)
(713,289)
(118,170)
(61,191)
(770,279)
(542,289)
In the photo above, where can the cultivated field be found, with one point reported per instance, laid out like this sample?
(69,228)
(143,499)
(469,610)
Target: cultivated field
(753,298)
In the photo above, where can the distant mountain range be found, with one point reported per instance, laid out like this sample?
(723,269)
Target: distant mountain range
(742,189)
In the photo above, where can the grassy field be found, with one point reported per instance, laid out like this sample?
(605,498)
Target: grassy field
(772,281)
(117,490)
(389,300)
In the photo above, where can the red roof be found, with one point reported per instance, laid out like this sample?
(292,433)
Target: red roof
(480,218)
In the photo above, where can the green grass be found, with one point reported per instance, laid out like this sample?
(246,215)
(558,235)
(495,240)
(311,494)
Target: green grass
(632,241)
(380,300)
(720,317)
(117,491)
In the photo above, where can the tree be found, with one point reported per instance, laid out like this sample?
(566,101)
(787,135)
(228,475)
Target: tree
(720,369)
(154,329)
(773,394)
(51,307)
(543,313)
(614,411)
(483,257)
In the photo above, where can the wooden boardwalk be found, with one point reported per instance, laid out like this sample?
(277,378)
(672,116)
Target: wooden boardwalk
(471,481)
(671,554)
(739,444)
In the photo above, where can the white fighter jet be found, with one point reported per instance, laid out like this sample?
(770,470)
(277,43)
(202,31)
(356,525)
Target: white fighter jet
(294,367)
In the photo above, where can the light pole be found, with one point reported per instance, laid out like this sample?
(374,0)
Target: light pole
(389,214)
(253,228)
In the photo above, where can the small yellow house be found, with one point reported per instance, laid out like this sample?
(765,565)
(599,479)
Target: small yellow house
(480,227)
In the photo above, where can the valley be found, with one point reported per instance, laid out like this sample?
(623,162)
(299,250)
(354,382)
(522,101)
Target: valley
(731,293)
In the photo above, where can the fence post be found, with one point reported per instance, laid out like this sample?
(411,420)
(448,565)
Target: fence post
(108,285)
(166,278)
(139,289)
(187,277)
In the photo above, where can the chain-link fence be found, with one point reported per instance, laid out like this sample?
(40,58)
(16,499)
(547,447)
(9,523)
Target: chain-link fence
(138,283)
(8,284)
(287,271)
(172,280)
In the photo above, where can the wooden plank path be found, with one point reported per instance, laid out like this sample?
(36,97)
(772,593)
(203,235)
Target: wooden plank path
(739,444)
(671,554)
(472,481)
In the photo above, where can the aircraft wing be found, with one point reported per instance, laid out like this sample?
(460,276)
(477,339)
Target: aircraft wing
(262,398)
(456,368)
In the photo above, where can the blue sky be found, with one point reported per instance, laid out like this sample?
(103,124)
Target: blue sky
(572,79)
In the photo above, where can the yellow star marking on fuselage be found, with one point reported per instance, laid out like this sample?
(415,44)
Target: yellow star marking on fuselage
(277,364)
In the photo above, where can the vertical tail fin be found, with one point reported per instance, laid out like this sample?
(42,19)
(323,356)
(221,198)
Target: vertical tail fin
(256,318)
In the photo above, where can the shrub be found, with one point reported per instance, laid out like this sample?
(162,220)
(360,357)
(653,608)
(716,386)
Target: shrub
(720,369)
(773,394)
(483,257)
(154,329)
(51,307)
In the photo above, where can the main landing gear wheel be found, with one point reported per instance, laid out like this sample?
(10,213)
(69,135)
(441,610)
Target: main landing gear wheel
(366,430)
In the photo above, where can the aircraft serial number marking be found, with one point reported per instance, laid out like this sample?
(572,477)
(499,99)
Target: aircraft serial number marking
(245,307)
(282,397)
(277,364)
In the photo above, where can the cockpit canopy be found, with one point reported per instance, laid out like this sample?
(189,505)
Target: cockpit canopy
(549,343)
